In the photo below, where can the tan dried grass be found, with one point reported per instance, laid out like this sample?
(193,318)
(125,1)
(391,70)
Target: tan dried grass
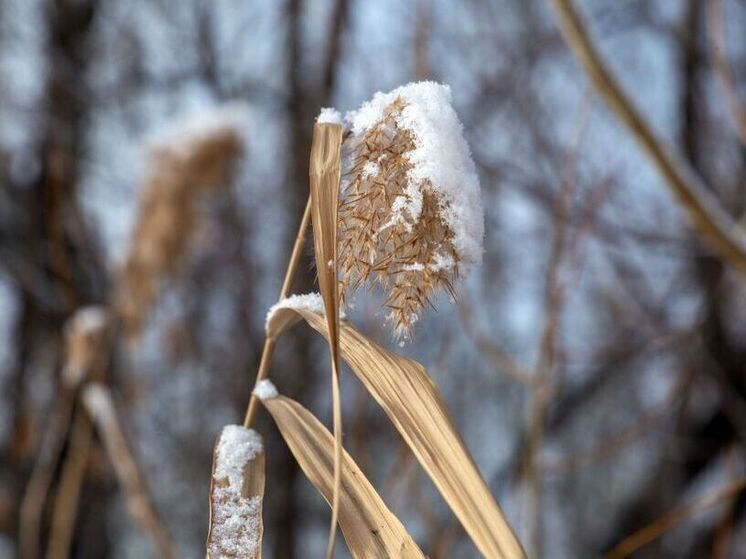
(410,398)
(370,529)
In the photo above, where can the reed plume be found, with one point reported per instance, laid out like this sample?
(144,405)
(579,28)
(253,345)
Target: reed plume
(410,217)
(192,159)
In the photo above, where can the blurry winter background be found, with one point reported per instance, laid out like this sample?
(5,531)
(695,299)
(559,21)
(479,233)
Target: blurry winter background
(592,278)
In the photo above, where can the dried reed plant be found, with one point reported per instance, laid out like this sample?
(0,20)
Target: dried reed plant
(191,160)
(394,203)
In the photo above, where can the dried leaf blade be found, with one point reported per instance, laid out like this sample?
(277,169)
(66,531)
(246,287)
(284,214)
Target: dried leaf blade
(370,529)
(405,391)
(324,174)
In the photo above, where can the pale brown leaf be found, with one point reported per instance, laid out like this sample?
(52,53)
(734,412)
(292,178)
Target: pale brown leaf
(370,529)
(415,406)
(324,174)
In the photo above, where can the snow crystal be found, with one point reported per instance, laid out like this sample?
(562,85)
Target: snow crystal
(89,319)
(98,402)
(370,169)
(235,527)
(441,158)
(236,519)
(441,262)
(329,115)
(199,127)
(310,301)
(236,447)
(265,390)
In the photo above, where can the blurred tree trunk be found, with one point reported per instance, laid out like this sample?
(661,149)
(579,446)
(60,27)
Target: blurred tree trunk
(58,267)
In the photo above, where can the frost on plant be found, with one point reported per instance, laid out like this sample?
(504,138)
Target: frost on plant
(308,301)
(236,522)
(410,214)
(329,115)
(265,390)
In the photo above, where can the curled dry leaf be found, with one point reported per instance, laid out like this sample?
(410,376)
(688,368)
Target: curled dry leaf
(414,405)
(370,529)
(324,175)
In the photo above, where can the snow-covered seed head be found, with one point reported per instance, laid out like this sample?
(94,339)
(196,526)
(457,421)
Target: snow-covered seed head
(410,216)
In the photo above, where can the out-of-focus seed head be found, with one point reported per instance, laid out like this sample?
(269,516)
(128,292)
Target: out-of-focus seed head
(193,157)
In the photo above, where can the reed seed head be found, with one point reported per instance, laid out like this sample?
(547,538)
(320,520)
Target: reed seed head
(192,158)
(410,215)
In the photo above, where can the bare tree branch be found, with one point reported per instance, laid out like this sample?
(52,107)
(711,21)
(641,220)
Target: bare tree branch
(717,44)
(655,530)
(705,212)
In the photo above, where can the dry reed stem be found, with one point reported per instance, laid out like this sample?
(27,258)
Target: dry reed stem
(270,341)
(719,58)
(404,389)
(100,407)
(370,529)
(88,347)
(37,489)
(325,173)
(655,530)
(67,498)
(86,352)
(88,336)
(705,213)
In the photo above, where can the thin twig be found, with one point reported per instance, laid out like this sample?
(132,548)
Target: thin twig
(541,387)
(717,44)
(704,210)
(721,542)
(615,443)
(653,531)
(269,342)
